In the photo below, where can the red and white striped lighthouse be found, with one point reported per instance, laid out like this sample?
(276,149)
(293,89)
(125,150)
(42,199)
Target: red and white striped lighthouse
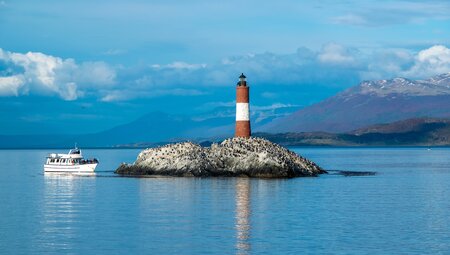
(242,108)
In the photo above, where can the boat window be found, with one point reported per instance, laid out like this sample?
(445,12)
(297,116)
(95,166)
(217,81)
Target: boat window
(75,151)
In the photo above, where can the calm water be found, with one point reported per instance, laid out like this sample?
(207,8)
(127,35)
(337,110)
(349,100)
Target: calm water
(404,209)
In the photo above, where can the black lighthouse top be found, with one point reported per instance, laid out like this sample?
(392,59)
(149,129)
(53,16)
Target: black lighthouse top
(242,81)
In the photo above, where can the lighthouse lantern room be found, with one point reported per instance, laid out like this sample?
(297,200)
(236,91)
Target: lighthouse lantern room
(242,108)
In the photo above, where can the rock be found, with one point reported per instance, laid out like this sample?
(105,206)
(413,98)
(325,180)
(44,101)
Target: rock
(251,157)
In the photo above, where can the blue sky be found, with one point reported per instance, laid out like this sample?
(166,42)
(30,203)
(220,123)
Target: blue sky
(104,63)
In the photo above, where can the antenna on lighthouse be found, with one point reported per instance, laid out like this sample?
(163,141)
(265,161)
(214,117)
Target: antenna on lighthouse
(242,108)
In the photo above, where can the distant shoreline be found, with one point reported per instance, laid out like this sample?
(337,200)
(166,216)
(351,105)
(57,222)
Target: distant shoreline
(290,146)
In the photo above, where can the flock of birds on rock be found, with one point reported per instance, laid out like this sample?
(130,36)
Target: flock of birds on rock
(234,154)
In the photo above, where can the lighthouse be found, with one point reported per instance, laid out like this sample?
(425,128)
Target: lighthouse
(242,108)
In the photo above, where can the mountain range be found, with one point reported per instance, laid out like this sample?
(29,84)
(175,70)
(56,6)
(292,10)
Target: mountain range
(411,132)
(369,103)
(350,114)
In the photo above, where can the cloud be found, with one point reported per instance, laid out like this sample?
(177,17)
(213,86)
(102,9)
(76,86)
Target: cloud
(129,94)
(431,61)
(180,65)
(114,52)
(38,73)
(401,63)
(333,66)
(349,19)
(10,86)
(272,107)
(275,110)
(98,74)
(393,13)
(336,54)
(259,113)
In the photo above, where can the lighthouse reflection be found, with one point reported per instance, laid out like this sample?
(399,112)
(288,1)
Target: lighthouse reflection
(242,224)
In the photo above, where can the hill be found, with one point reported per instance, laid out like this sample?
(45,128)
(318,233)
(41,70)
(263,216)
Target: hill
(411,132)
(369,103)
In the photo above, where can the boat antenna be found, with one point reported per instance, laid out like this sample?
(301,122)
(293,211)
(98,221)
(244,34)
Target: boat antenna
(76,145)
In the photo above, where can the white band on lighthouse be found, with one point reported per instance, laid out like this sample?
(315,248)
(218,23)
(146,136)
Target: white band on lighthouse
(242,112)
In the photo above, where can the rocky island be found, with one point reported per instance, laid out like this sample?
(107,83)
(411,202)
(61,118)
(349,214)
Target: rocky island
(247,157)
(242,155)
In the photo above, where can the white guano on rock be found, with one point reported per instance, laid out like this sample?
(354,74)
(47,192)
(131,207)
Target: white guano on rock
(251,157)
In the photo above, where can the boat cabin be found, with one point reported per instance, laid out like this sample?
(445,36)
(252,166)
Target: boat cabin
(74,157)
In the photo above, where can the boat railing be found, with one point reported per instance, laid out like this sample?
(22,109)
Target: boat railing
(89,161)
(52,159)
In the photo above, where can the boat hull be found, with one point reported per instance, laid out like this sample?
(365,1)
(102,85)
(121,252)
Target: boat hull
(84,168)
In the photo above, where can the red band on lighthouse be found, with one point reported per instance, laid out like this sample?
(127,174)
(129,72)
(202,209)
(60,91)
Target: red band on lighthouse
(242,109)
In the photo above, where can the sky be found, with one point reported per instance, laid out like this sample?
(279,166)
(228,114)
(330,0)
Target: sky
(86,66)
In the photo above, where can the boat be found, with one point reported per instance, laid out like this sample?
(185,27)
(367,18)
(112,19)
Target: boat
(73,162)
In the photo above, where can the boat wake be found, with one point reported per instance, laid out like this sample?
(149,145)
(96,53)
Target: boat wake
(351,173)
(74,174)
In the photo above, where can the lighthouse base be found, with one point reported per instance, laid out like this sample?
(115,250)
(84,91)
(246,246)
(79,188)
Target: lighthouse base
(243,129)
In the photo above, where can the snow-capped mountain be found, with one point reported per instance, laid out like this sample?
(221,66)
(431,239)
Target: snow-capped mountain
(438,85)
(371,102)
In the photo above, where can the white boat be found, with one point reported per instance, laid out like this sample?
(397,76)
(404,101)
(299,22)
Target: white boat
(73,162)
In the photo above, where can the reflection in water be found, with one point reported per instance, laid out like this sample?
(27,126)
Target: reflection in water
(60,213)
(242,215)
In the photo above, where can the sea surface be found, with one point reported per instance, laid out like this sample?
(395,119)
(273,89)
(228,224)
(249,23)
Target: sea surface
(403,209)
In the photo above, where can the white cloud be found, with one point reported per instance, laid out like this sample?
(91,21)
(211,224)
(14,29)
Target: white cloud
(259,112)
(393,13)
(333,66)
(95,73)
(115,95)
(431,61)
(48,75)
(10,86)
(273,107)
(130,93)
(180,65)
(275,110)
(335,54)
(349,19)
